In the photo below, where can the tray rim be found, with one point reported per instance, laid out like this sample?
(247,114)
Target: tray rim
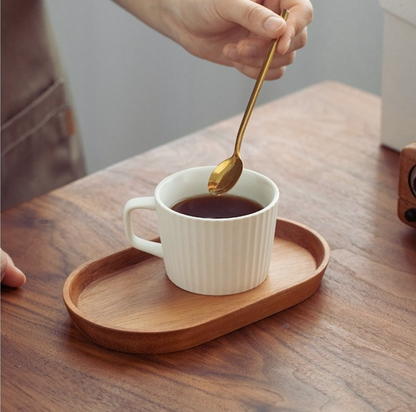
(141,338)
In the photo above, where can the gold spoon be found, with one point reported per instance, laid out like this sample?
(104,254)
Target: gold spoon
(227,173)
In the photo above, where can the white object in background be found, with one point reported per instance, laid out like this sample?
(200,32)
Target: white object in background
(398,90)
(398,124)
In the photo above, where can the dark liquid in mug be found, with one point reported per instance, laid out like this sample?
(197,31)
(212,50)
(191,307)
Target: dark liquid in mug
(217,207)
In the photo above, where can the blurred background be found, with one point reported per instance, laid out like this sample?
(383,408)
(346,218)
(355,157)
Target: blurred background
(134,89)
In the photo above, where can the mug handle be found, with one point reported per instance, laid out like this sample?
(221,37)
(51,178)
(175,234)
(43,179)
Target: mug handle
(154,248)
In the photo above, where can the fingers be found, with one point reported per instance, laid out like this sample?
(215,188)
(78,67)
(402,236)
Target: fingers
(257,19)
(248,55)
(254,49)
(252,72)
(10,274)
(300,15)
(251,68)
(264,21)
(273,73)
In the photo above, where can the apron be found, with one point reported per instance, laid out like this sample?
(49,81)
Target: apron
(40,149)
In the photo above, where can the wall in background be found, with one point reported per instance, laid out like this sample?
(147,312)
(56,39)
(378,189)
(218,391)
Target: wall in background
(134,89)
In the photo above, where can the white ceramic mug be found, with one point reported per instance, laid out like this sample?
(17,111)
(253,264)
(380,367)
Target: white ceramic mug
(204,255)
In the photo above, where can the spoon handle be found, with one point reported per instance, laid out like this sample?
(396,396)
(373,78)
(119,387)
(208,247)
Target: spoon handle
(257,87)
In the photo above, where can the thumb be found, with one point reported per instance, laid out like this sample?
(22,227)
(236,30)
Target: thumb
(255,18)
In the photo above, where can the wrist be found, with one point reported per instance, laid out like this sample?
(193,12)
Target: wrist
(156,14)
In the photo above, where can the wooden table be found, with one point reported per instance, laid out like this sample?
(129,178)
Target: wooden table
(350,347)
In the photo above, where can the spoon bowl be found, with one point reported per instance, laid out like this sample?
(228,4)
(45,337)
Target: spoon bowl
(226,174)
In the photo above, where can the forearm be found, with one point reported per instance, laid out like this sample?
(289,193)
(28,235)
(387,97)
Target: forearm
(187,22)
(229,32)
(157,14)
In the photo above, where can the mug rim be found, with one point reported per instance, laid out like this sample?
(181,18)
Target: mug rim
(169,209)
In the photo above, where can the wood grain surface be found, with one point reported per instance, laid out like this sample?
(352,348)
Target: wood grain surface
(349,347)
(126,302)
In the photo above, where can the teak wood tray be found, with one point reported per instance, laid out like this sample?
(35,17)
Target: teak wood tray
(125,301)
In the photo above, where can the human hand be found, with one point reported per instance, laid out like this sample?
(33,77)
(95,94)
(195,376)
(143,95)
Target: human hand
(230,32)
(10,274)
(238,32)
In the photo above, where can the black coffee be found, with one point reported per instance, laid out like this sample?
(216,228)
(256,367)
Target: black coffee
(217,207)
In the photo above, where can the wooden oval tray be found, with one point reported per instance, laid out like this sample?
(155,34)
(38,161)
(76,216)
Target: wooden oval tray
(125,301)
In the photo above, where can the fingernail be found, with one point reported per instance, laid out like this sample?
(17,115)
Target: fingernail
(286,49)
(273,24)
(231,53)
(248,51)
